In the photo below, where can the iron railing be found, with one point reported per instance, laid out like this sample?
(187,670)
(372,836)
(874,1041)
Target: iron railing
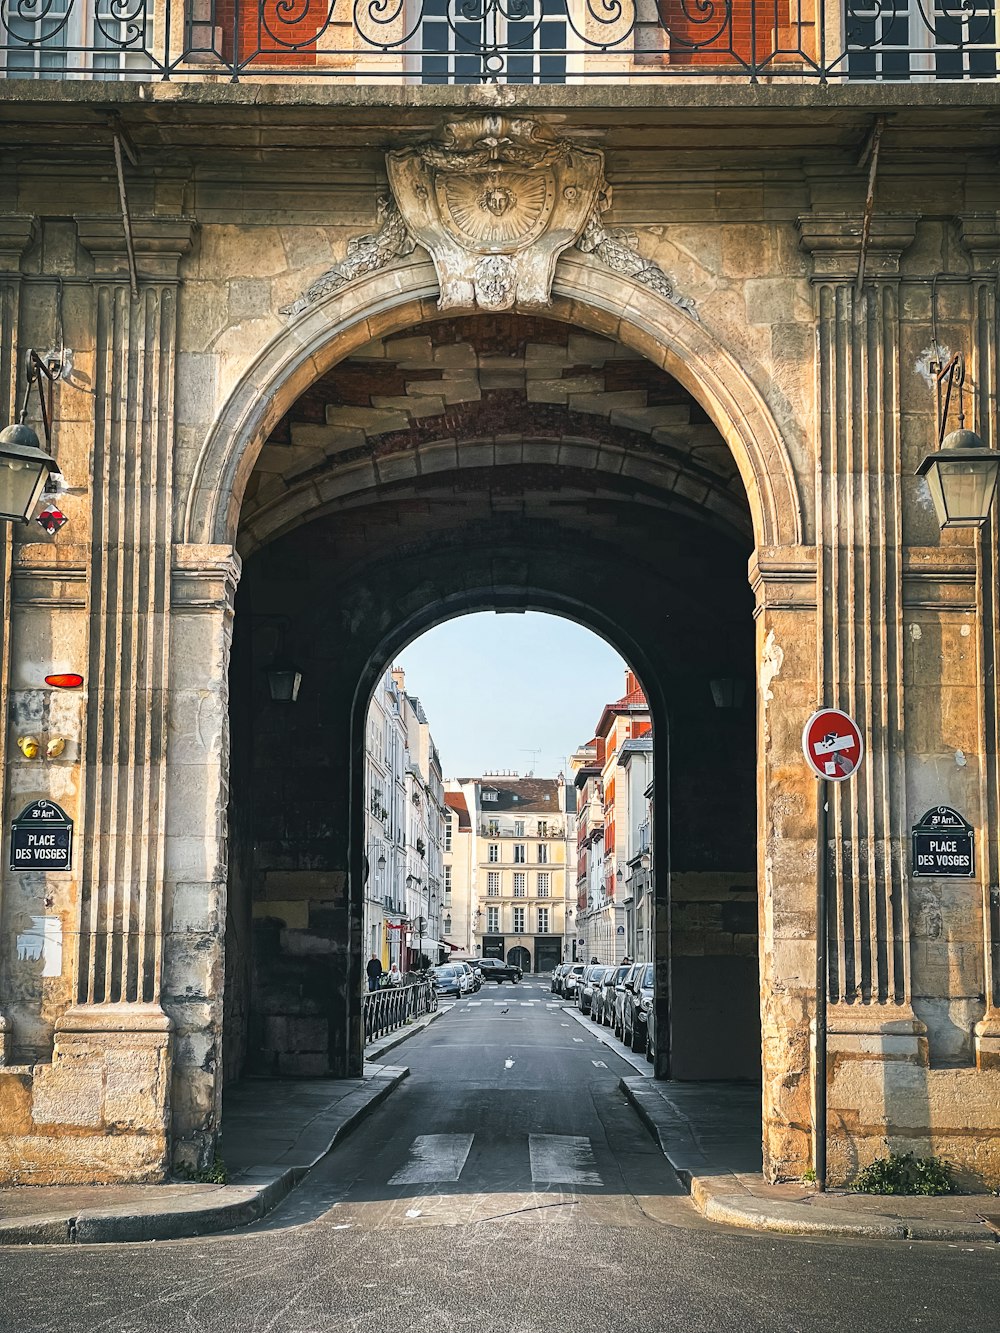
(506,41)
(393,1006)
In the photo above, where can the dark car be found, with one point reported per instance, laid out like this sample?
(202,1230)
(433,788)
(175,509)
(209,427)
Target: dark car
(636,1002)
(495,969)
(602,1006)
(622,988)
(589,982)
(450,980)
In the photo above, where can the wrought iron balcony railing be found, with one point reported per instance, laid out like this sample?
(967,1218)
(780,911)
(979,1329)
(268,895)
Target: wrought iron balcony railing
(500,41)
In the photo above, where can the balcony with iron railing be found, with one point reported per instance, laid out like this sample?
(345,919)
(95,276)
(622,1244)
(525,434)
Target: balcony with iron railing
(500,41)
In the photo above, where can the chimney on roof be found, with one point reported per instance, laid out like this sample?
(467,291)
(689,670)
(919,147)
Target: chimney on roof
(631,682)
(399,679)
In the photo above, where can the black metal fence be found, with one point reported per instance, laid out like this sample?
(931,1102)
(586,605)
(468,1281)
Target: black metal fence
(503,41)
(394,1006)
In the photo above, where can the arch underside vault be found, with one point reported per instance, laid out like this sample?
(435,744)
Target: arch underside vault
(402,298)
(515,462)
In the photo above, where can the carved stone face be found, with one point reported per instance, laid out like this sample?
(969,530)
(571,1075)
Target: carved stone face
(496,199)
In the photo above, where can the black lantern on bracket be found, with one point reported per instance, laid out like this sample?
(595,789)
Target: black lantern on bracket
(962,474)
(25,466)
(728,691)
(283,681)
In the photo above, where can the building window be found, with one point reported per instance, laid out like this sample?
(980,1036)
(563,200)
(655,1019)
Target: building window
(543,853)
(494,852)
(491,795)
(493,829)
(447,836)
(523,43)
(519,853)
(543,921)
(520,884)
(447,924)
(518,920)
(543,828)
(493,920)
(518,828)
(543,885)
(447,884)
(493,884)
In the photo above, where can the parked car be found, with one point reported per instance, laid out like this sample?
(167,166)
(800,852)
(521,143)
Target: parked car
(572,979)
(495,969)
(621,991)
(555,985)
(450,979)
(475,977)
(650,1032)
(602,1006)
(592,978)
(635,1005)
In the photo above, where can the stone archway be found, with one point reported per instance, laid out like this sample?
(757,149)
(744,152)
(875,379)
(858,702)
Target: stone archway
(399,298)
(402,297)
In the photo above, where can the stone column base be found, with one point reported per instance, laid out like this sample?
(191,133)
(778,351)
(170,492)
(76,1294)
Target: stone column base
(987,1039)
(99,1113)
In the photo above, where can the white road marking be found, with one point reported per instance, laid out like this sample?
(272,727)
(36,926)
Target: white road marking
(564,1159)
(508,1064)
(578,1039)
(598,1064)
(474,1003)
(434,1157)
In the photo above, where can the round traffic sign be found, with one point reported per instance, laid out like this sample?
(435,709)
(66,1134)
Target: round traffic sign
(832,744)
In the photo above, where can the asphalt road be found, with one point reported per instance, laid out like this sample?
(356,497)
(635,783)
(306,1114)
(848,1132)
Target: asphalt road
(506,1187)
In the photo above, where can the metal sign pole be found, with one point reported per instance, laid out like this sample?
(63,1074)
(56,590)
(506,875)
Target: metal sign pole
(822,985)
(834,747)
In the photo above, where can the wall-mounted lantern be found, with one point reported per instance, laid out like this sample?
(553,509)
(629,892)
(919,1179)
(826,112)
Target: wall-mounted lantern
(25,466)
(283,681)
(962,474)
(728,692)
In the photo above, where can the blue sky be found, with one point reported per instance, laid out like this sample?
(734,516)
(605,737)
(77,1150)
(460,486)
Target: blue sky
(496,687)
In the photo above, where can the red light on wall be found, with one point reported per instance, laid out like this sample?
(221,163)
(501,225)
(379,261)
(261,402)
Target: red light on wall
(67,680)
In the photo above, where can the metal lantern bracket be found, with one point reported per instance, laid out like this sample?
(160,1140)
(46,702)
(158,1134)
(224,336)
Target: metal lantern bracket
(40,368)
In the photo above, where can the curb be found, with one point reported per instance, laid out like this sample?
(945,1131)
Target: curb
(261,1190)
(716,1199)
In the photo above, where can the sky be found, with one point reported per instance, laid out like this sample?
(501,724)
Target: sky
(517,692)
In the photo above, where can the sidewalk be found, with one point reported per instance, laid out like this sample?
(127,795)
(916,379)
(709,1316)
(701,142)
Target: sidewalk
(710,1134)
(273,1132)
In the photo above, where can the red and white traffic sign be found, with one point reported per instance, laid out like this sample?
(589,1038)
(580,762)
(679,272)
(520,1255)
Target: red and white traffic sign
(832,744)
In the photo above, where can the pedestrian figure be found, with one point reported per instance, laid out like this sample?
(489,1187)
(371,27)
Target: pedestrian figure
(374,970)
(395,976)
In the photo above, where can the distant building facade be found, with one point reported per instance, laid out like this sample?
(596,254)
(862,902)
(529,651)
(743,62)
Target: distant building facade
(522,836)
(608,771)
(460,899)
(404,831)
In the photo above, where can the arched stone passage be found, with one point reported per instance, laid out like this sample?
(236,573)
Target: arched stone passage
(401,298)
(350,591)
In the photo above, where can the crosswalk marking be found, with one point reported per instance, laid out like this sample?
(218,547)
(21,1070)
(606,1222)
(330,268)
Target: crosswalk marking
(562,1159)
(434,1158)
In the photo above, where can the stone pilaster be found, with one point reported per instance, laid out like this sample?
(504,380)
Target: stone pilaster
(17,231)
(860,645)
(203,589)
(784,583)
(980,232)
(860,659)
(119,968)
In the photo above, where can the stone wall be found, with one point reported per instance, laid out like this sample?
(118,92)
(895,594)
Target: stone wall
(825,402)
